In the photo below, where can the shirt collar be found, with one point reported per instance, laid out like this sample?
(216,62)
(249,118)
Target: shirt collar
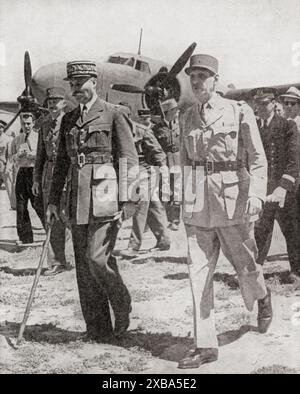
(89,104)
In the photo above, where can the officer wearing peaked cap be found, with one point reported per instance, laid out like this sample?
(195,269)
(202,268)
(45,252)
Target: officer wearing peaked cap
(225,176)
(94,139)
(49,127)
(280,141)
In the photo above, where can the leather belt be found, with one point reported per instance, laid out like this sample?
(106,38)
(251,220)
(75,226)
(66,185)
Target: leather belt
(212,167)
(81,159)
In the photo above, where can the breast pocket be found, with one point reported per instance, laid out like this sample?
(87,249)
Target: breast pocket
(100,135)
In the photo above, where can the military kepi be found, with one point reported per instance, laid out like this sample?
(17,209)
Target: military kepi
(202,61)
(81,68)
(263,94)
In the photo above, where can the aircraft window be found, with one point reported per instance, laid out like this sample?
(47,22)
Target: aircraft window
(142,66)
(121,60)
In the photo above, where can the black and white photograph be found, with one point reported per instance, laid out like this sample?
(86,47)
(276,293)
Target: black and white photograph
(149,189)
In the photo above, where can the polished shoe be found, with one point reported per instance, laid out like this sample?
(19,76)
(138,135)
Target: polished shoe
(129,253)
(56,269)
(195,358)
(265,313)
(159,247)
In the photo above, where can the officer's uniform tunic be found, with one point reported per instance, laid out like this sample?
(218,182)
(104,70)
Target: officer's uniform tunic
(224,164)
(88,153)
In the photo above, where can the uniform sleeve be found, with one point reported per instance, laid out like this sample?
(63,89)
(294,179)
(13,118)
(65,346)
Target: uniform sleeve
(153,150)
(61,168)
(40,158)
(257,162)
(123,143)
(288,179)
(184,160)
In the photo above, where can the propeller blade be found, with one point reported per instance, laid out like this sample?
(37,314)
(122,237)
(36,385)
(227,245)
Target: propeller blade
(182,60)
(27,73)
(9,124)
(127,88)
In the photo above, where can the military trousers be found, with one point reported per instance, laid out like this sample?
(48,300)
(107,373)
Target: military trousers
(149,213)
(287,218)
(23,196)
(98,278)
(238,245)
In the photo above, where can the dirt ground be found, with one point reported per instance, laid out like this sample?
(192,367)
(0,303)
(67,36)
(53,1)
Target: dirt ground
(161,321)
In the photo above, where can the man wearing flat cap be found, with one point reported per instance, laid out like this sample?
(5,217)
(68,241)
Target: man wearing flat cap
(280,140)
(167,133)
(49,126)
(225,176)
(94,139)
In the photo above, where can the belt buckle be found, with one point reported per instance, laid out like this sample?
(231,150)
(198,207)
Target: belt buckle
(81,160)
(209,167)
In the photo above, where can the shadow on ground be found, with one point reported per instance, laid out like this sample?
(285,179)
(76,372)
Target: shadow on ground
(164,346)
(20,271)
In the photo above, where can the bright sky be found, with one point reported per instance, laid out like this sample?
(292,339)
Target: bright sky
(253,39)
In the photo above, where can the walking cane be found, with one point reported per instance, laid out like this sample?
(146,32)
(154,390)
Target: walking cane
(34,286)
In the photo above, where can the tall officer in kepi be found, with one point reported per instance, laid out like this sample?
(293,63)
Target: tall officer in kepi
(49,126)
(280,141)
(94,139)
(225,182)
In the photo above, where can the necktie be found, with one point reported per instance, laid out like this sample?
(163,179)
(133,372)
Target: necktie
(84,113)
(265,124)
(203,113)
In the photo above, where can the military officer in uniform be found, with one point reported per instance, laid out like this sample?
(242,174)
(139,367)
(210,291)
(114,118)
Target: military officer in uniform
(94,139)
(49,127)
(150,210)
(168,134)
(24,149)
(225,176)
(280,140)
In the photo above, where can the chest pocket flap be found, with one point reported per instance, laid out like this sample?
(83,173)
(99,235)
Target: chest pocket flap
(100,127)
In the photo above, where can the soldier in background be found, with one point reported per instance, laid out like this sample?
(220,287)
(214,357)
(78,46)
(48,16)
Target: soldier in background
(150,210)
(280,140)
(24,149)
(49,127)
(167,133)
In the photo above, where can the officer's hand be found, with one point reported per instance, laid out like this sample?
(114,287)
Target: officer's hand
(129,209)
(278,195)
(254,206)
(51,211)
(36,189)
